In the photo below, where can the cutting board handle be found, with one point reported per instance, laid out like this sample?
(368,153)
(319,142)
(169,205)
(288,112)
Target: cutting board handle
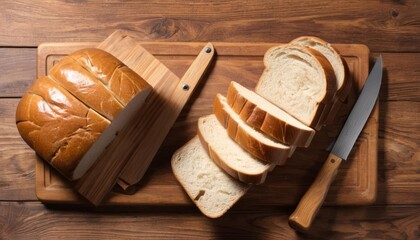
(134,171)
(193,75)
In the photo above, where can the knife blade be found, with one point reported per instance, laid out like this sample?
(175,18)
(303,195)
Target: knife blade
(305,212)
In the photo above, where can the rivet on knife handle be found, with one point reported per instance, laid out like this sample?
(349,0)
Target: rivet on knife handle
(303,216)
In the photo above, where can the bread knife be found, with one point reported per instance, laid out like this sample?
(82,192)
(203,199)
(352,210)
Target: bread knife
(304,214)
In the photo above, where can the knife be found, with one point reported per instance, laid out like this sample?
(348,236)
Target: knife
(305,212)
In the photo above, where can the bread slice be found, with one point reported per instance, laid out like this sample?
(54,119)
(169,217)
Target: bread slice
(228,155)
(247,137)
(331,54)
(209,187)
(265,116)
(300,81)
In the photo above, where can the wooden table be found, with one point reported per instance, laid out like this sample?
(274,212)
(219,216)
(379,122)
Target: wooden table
(389,28)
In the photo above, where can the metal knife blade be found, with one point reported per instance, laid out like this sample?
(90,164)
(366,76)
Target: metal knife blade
(360,113)
(303,216)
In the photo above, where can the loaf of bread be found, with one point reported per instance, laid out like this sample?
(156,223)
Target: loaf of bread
(209,187)
(331,54)
(300,81)
(56,124)
(63,115)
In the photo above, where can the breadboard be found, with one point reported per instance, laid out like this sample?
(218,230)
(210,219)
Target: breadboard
(242,62)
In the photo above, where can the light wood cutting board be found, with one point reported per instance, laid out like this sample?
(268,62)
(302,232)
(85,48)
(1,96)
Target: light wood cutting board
(242,62)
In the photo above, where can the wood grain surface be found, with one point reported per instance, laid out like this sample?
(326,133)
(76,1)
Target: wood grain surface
(31,219)
(394,26)
(390,28)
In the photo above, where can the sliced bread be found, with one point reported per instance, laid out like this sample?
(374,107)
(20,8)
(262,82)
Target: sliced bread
(343,85)
(228,155)
(265,116)
(208,186)
(253,141)
(300,81)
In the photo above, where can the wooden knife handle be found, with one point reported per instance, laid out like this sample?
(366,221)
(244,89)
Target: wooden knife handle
(304,214)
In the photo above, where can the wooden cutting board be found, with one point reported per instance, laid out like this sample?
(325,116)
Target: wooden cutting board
(242,62)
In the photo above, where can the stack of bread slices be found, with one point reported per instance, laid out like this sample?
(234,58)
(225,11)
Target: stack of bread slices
(251,132)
